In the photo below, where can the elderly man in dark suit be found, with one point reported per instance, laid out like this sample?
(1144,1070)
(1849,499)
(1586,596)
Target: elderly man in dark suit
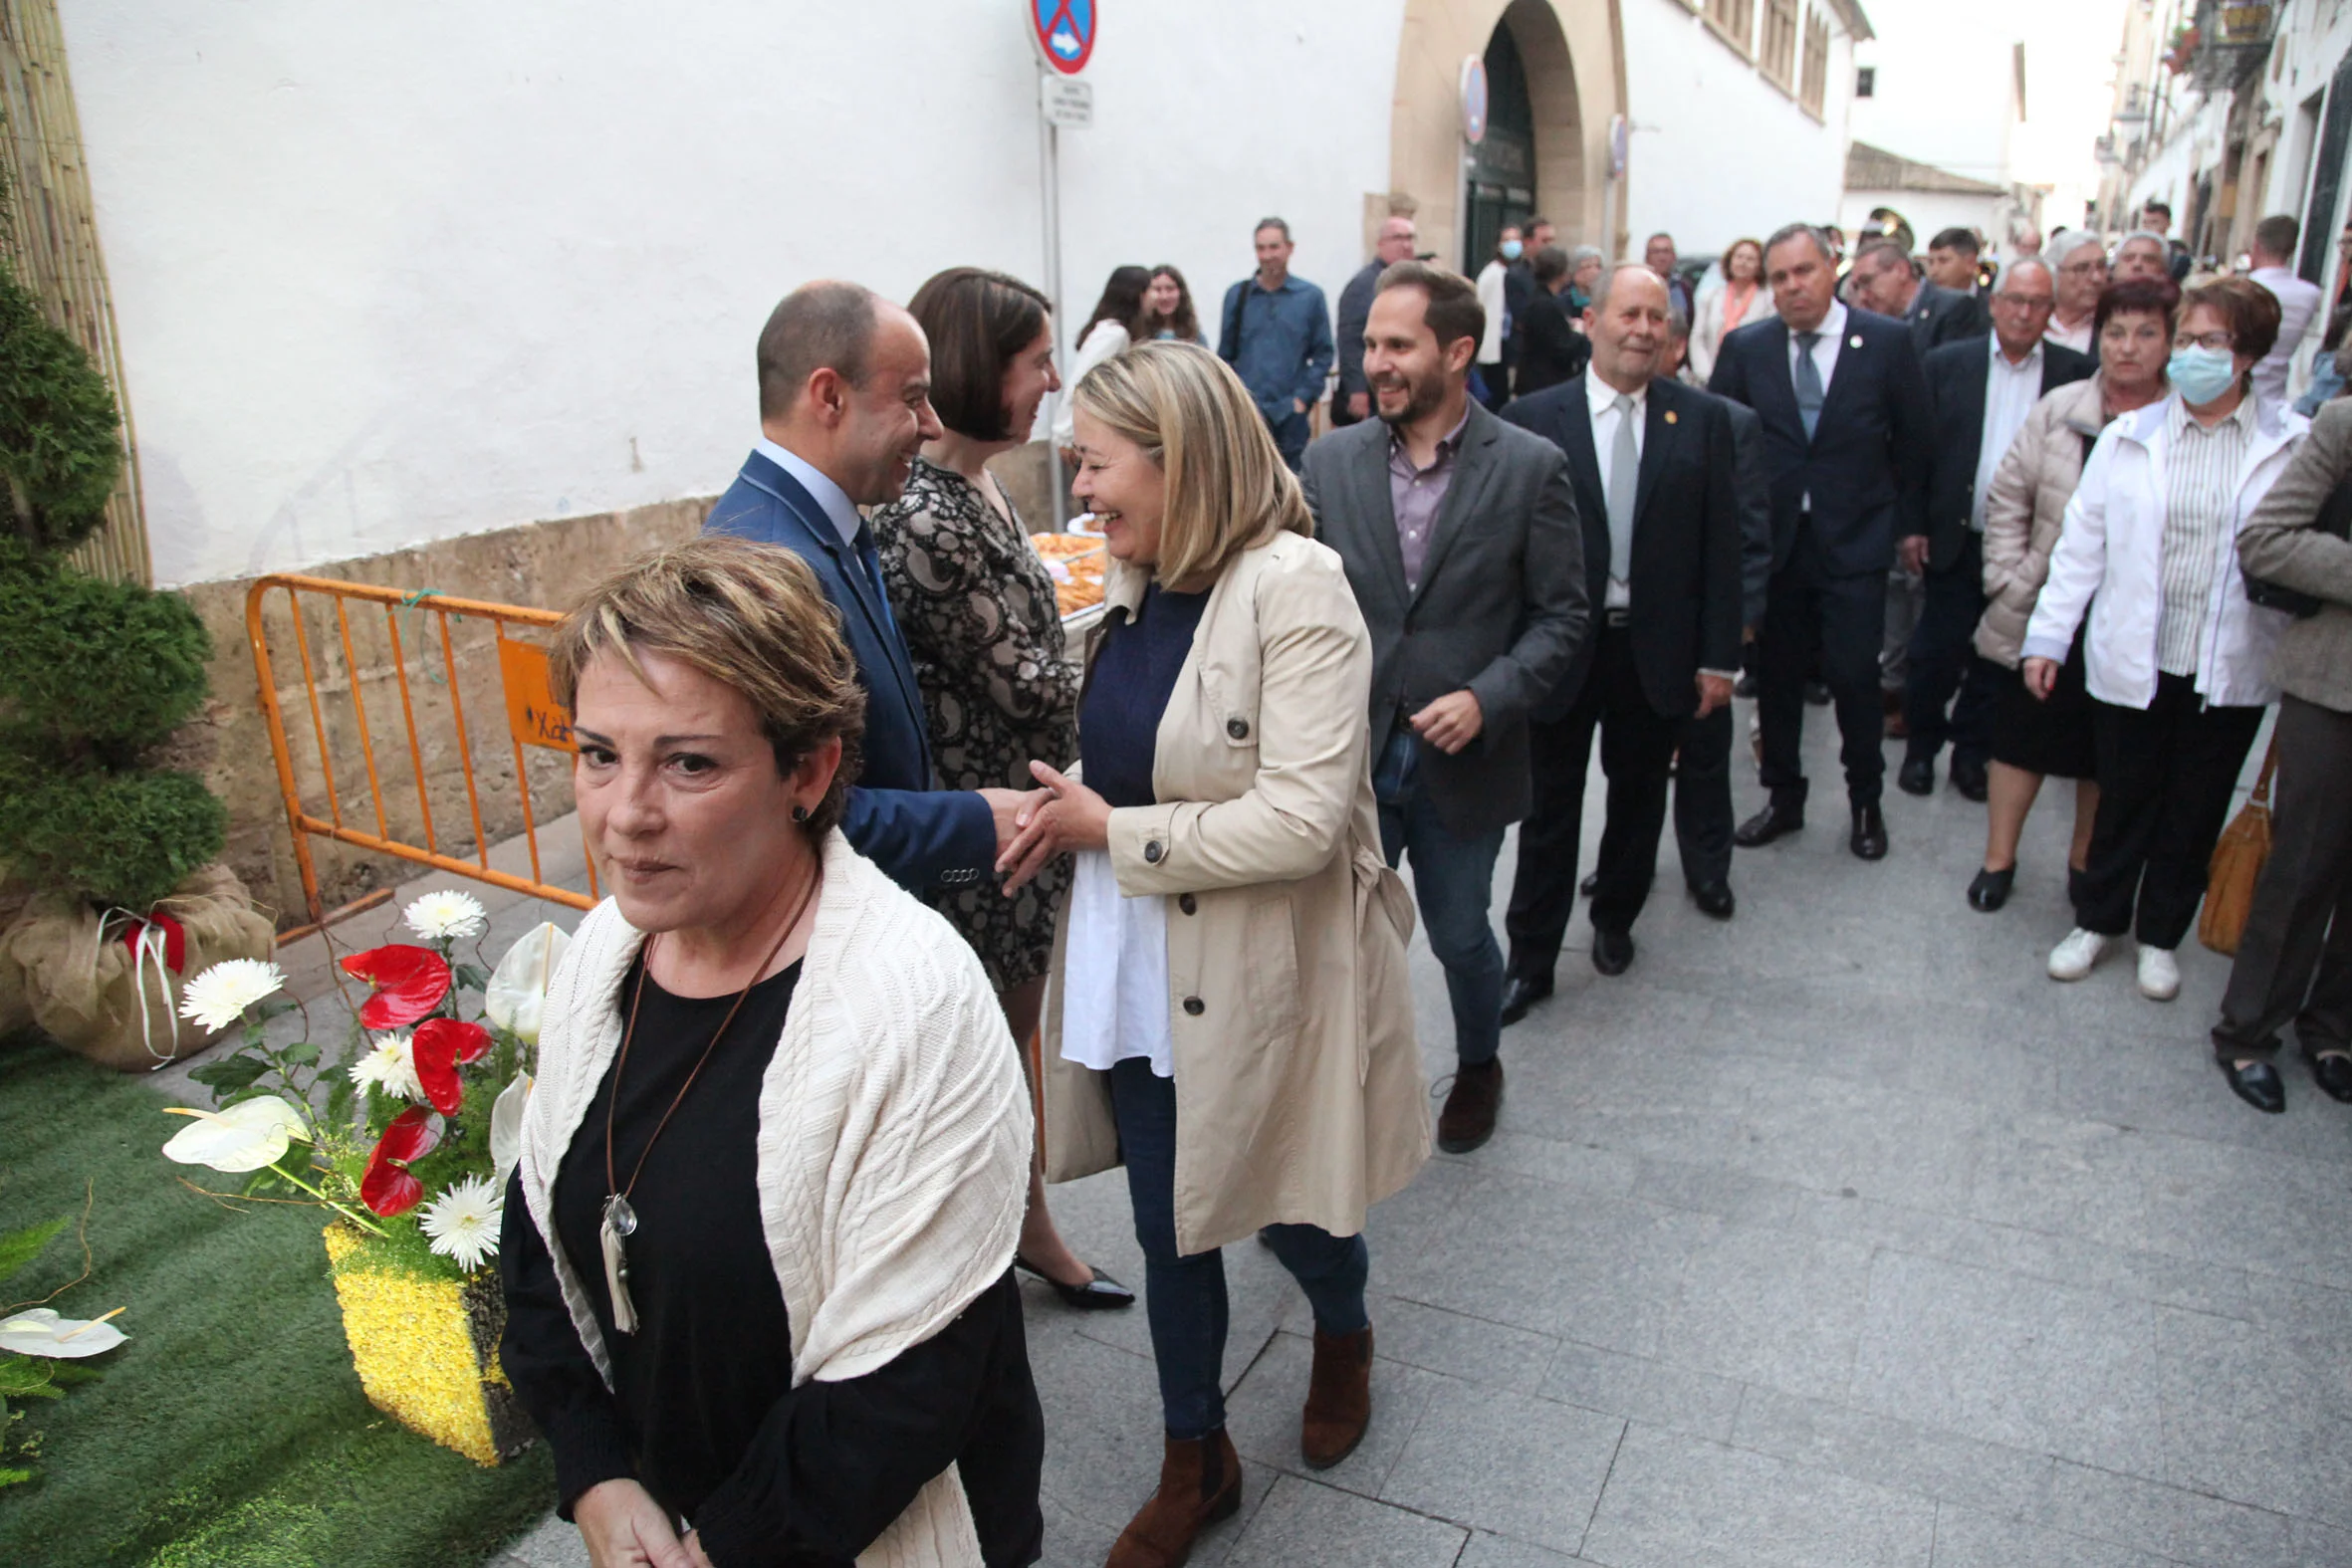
(1848,433)
(1981,391)
(1460,538)
(1652,464)
(844,404)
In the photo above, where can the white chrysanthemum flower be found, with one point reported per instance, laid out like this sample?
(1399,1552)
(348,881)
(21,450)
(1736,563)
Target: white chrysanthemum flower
(463,1223)
(390,1066)
(219,996)
(446,916)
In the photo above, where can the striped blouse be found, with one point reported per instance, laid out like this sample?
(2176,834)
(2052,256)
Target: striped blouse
(2200,487)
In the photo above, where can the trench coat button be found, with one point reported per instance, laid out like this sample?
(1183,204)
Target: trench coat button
(1189,904)
(1152,852)
(1194,1007)
(1238,728)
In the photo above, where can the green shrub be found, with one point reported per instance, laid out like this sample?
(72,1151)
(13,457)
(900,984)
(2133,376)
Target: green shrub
(116,838)
(59,449)
(101,668)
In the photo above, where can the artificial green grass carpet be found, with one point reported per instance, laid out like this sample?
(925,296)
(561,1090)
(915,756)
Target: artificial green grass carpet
(231,1429)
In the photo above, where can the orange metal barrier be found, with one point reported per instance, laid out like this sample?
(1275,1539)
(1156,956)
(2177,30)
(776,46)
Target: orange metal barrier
(532,720)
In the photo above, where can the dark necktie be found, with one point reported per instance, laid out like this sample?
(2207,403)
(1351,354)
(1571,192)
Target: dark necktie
(872,559)
(1808,383)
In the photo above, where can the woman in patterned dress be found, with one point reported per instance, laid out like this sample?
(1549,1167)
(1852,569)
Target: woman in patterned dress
(976,606)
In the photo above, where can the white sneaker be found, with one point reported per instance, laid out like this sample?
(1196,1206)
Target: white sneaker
(2072,958)
(2159,977)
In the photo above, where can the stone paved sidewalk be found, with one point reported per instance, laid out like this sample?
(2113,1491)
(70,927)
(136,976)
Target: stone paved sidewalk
(1838,1235)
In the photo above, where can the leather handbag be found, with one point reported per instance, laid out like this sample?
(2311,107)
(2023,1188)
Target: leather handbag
(2236,866)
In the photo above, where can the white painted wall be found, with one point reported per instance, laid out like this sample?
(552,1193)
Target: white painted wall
(394,274)
(1718,152)
(1929,212)
(1944,94)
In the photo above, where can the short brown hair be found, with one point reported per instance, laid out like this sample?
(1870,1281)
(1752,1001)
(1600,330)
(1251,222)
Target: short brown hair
(822,325)
(1453,311)
(2251,309)
(751,618)
(2159,297)
(978,322)
(1228,487)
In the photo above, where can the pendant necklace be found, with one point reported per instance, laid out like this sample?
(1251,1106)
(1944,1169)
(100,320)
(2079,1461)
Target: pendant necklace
(620,1221)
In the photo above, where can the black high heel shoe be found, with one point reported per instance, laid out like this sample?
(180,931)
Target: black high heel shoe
(1098,1294)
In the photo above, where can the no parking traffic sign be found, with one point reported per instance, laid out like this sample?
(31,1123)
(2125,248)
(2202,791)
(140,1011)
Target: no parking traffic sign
(1064,31)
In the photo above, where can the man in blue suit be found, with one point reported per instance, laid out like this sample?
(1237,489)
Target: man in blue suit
(844,405)
(1849,439)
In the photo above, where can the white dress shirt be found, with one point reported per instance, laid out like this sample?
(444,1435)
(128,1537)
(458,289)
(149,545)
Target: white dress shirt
(2077,339)
(1602,397)
(2299,307)
(2011,391)
(832,496)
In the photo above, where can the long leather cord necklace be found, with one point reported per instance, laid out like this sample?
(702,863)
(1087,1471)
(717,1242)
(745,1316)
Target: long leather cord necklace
(620,1221)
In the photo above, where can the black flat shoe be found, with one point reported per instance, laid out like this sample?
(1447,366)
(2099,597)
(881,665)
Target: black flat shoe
(1869,841)
(1967,776)
(1613,951)
(2258,1084)
(1768,824)
(1521,994)
(1714,899)
(1098,1294)
(1990,889)
(1917,776)
(2333,1073)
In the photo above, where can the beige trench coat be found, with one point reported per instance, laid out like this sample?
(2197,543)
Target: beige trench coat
(1299,1089)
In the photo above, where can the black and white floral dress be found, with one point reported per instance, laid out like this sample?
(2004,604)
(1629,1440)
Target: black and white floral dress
(976,606)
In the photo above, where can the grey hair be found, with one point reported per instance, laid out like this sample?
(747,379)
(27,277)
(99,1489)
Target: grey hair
(1583,254)
(2022,262)
(2067,242)
(1274,223)
(1790,231)
(2144,234)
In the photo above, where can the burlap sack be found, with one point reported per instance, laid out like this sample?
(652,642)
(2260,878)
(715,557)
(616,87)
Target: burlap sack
(87,992)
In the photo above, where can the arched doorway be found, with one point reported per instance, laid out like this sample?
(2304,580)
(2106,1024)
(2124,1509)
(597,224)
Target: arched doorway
(1555,77)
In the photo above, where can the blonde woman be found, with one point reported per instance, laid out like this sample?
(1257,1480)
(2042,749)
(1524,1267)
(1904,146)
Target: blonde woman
(1228,1012)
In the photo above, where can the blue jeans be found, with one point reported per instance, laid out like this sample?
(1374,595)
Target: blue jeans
(1184,1297)
(1454,882)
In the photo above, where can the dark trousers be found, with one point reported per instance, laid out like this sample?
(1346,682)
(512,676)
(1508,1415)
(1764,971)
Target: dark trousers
(1289,433)
(1945,671)
(1184,1297)
(1810,614)
(2295,959)
(2166,776)
(1636,754)
(1703,798)
(1454,883)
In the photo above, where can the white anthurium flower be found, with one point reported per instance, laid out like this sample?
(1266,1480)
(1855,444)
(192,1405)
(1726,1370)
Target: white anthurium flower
(506,1126)
(446,916)
(391,1065)
(518,987)
(247,1135)
(42,1332)
(462,1224)
(219,996)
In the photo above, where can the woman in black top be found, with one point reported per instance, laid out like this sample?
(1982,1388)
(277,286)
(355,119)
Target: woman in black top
(1550,350)
(755,1254)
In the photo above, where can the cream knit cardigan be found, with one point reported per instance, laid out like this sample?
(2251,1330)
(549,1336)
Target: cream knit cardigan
(894,1152)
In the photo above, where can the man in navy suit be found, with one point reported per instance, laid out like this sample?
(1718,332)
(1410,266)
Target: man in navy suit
(1849,441)
(844,404)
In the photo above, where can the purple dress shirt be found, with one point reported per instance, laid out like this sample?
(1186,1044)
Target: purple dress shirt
(1416,494)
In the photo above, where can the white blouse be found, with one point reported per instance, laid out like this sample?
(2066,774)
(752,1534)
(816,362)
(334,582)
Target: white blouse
(1114,977)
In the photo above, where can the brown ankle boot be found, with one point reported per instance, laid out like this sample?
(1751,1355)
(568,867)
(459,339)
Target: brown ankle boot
(1199,1483)
(1339,1398)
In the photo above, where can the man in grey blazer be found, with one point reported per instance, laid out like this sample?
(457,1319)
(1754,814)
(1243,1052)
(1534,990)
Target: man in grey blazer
(1460,536)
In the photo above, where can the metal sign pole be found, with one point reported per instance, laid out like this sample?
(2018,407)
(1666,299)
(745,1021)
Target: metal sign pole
(1049,180)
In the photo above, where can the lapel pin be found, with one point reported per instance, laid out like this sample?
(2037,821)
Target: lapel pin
(1854,341)
(1670,416)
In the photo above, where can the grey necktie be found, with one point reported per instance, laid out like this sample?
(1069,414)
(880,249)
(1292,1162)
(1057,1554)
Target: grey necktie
(1624,482)
(1808,383)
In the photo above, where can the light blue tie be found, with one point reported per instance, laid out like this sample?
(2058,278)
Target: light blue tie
(1624,484)
(1808,383)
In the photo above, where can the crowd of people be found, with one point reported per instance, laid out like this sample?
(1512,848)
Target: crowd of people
(870,823)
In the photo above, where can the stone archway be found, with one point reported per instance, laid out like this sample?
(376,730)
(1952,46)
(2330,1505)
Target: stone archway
(1572,54)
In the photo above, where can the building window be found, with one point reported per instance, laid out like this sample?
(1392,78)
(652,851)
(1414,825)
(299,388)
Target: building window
(1776,55)
(1867,82)
(1734,22)
(1814,86)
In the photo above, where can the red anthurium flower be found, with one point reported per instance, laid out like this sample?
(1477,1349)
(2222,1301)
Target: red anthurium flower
(385,1187)
(409,984)
(439,1045)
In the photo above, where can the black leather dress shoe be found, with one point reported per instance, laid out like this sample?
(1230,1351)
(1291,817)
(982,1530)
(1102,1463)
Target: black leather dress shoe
(1590,885)
(1870,834)
(1817,694)
(2258,1084)
(1967,776)
(2332,1072)
(1768,824)
(1917,775)
(1745,686)
(1990,889)
(1521,994)
(1098,1294)
(1713,898)
(1613,951)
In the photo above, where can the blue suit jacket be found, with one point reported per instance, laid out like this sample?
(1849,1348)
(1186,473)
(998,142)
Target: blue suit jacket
(920,836)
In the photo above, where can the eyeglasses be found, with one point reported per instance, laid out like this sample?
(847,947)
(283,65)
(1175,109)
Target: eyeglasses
(2220,341)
